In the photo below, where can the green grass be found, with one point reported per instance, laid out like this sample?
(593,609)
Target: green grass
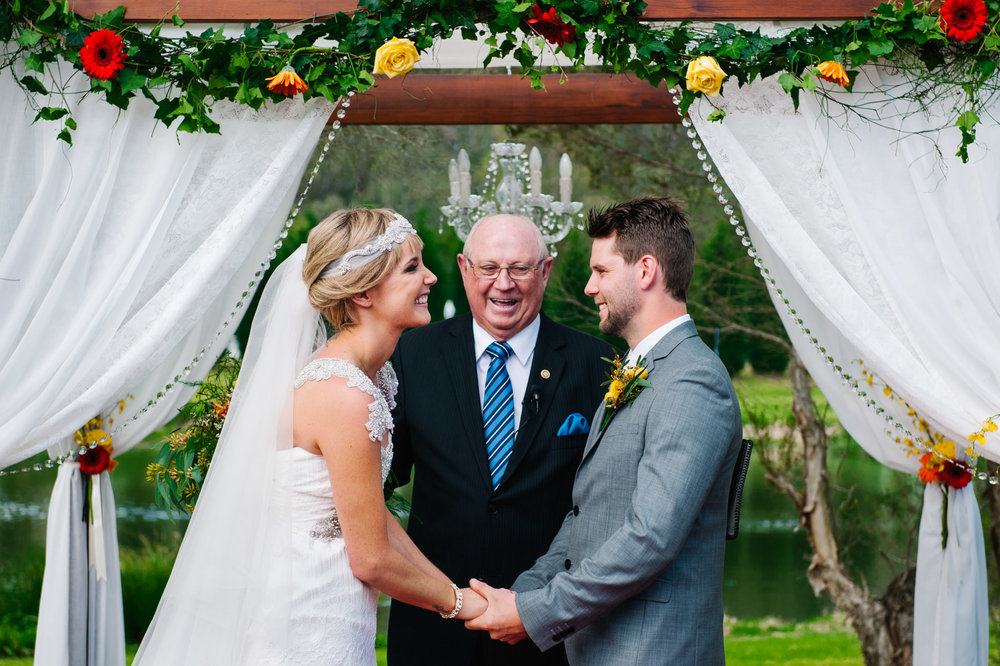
(769,398)
(824,641)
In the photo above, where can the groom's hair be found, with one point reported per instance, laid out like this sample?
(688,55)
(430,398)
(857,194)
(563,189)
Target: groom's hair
(652,225)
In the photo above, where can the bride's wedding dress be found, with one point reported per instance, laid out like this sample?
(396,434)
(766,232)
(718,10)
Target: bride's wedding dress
(332,612)
(262,576)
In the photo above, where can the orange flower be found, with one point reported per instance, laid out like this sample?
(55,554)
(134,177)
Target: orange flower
(832,71)
(287,82)
(929,472)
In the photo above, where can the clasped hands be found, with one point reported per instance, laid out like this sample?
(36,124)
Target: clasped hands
(493,610)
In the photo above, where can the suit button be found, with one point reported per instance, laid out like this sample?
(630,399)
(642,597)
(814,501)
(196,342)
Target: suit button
(569,563)
(492,509)
(576,510)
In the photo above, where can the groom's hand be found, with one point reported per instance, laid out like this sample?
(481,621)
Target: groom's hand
(501,618)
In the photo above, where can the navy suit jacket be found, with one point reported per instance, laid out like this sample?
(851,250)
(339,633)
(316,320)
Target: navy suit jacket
(458,520)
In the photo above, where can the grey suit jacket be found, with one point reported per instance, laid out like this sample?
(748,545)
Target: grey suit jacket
(634,575)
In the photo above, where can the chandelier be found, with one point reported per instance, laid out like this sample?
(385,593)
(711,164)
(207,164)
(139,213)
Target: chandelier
(508,172)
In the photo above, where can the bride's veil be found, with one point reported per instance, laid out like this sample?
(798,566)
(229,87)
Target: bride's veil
(230,581)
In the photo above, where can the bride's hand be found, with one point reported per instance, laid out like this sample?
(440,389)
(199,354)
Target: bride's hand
(473,605)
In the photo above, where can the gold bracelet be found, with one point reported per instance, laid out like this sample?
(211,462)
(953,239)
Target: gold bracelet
(458,603)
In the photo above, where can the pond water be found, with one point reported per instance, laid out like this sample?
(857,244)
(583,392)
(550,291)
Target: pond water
(764,572)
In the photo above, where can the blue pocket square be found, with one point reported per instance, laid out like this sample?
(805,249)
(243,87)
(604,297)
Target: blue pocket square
(575,424)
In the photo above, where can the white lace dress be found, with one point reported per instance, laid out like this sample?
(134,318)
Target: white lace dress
(333,613)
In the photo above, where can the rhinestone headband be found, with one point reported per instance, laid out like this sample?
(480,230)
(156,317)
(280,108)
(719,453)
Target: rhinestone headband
(394,235)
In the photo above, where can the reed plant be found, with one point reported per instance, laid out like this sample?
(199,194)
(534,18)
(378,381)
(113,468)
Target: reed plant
(145,571)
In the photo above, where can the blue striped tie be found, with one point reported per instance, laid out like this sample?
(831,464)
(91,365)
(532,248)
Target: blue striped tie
(498,411)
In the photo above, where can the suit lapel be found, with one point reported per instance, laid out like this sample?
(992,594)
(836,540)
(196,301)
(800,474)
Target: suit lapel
(595,432)
(460,359)
(548,355)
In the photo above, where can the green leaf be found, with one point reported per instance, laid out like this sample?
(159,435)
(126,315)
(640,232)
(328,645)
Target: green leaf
(967,121)
(880,48)
(34,85)
(809,82)
(131,80)
(787,81)
(51,113)
(64,135)
(49,11)
(29,38)
(33,63)
(716,116)
(70,123)
(186,60)
(176,20)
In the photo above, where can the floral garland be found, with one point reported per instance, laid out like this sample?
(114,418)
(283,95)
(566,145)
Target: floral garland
(949,47)
(939,461)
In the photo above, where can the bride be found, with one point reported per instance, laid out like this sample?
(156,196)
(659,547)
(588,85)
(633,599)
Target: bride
(290,540)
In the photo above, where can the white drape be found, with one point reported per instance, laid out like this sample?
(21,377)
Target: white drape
(886,250)
(125,258)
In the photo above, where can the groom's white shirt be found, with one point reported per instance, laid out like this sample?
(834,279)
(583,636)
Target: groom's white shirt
(648,342)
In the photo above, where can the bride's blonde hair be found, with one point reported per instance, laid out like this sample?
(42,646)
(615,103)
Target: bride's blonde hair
(334,237)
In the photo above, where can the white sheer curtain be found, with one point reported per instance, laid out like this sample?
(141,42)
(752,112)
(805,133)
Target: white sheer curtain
(125,258)
(886,250)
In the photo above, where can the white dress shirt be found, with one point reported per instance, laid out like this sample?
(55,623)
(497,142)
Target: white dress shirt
(647,343)
(518,363)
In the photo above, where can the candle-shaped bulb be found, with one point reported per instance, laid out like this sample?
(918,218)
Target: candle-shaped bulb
(453,177)
(535,171)
(464,177)
(565,179)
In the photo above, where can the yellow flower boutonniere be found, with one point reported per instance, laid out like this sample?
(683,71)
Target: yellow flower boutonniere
(624,384)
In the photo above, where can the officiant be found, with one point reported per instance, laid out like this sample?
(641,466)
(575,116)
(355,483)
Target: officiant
(491,418)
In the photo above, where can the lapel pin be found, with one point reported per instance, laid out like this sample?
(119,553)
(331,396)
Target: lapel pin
(545,373)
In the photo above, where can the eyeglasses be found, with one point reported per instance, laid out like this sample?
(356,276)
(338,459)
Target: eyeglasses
(490,271)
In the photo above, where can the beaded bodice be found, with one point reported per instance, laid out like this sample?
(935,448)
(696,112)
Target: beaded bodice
(379,426)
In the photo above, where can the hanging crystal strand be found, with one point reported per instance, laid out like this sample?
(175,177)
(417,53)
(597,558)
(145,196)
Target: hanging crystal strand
(893,425)
(232,317)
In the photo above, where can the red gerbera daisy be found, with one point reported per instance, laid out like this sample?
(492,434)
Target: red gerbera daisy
(955,475)
(102,54)
(963,20)
(95,460)
(550,26)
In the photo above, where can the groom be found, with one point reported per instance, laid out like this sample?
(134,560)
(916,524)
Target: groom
(634,575)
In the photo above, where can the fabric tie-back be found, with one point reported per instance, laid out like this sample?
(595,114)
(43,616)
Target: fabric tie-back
(885,247)
(123,257)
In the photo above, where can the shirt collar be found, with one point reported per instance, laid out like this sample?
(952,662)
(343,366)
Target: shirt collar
(647,343)
(522,344)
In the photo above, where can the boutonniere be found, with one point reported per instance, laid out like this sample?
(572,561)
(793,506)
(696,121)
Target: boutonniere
(624,384)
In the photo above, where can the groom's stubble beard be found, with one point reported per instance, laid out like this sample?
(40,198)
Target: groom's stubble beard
(620,311)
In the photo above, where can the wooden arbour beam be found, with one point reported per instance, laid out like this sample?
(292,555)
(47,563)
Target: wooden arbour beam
(498,99)
(292,10)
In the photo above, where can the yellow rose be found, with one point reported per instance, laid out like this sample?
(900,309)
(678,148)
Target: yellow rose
(705,75)
(395,57)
